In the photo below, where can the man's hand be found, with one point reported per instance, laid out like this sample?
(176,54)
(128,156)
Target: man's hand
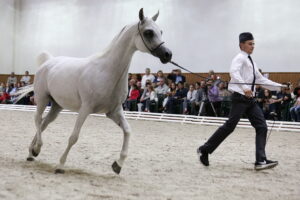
(248,93)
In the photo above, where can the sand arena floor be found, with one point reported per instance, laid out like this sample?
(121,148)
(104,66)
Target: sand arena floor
(162,162)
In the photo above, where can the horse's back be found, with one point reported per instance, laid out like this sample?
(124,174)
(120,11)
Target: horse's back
(58,77)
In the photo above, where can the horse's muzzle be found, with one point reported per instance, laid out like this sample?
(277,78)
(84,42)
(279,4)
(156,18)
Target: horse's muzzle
(163,53)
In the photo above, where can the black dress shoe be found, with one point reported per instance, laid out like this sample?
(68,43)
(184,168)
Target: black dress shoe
(203,157)
(267,164)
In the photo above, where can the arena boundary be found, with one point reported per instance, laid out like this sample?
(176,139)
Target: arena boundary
(163,117)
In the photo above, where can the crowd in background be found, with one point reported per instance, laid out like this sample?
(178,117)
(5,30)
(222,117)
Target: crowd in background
(208,97)
(9,89)
(172,94)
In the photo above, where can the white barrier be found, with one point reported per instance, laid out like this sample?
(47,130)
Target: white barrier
(188,119)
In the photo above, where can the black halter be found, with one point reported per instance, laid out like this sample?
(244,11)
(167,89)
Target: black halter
(152,51)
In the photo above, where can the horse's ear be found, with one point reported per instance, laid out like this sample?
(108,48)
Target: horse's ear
(141,15)
(154,18)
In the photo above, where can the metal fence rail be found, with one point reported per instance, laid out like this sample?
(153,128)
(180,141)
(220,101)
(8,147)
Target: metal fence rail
(184,119)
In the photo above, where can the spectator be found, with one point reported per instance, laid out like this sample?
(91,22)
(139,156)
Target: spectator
(167,107)
(225,96)
(161,91)
(214,99)
(131,83)
(268,104)
(13,92)
(146,77)
(201,98)
(145,96)
(284,99)
(2,87)
(12,79)
(176,103)
(4,97)
(189,100)
(131,102)
(26,78)
(151,103)
(295,110)
(176,76)
(159,76)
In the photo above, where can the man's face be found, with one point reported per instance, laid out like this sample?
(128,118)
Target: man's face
(247,46)
(147,71)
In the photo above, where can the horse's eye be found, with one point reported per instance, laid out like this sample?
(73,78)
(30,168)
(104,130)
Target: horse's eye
(148,33)
(161,32)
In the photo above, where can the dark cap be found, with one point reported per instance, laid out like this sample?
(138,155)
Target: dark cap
(245,36)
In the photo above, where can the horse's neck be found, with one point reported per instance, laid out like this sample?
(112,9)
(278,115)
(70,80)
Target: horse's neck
(120,52)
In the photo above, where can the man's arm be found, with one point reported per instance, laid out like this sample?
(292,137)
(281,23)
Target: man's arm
(266,83)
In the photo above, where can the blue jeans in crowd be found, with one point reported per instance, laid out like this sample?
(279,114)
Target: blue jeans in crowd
(295,113)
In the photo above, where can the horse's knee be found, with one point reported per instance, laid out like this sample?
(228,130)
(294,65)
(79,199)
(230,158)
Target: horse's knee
(73,139)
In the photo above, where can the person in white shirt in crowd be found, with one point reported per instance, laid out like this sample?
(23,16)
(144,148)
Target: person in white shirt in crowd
(161,91)
(152,100)
(190,99)
(26,78)
(159,75)
(243,70)
(147,76)
(12,79)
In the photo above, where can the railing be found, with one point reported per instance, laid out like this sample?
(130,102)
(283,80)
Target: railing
(187,119)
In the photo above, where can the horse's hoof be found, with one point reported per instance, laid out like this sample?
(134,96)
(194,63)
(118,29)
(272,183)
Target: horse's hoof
(34,153)
(30,159)
(116,168)
(59,171)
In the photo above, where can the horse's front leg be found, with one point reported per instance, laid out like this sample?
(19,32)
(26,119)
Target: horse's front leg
(82,115)
(118,117)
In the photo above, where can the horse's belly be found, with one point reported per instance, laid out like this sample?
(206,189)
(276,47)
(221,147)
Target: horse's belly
(68,101)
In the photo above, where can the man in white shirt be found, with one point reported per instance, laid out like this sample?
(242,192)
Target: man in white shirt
(12,79)
(244,75)
(146,77)
(26,78)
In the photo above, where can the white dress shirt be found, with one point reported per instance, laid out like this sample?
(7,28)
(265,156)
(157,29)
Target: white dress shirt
(241,71)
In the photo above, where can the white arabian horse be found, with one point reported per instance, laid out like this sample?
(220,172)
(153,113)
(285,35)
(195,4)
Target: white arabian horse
(96,84)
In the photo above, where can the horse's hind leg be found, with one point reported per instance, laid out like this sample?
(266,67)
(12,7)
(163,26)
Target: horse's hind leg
(118,117)
(41,125)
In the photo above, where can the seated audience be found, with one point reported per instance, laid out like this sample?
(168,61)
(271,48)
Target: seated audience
(189,100)
(176,76)
(161,91)
(295,110)
(12,79)
(26,78)
(225,97)
(147,76)
(214,106)
(131,102)
(159,76)
(284,99)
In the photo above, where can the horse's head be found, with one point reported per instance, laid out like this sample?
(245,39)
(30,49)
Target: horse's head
(149,38)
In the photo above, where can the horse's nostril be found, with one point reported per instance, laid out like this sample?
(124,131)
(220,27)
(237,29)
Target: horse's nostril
(167,55)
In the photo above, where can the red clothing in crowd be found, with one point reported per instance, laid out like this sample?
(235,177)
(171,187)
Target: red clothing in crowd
(134,94)
(5,96)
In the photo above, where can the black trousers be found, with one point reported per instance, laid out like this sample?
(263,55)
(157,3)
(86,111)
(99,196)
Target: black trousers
(241,105)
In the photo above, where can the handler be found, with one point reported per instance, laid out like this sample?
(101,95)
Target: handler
(244,70)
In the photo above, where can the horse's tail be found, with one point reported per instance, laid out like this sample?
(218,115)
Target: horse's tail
(22,92)
(43,57)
